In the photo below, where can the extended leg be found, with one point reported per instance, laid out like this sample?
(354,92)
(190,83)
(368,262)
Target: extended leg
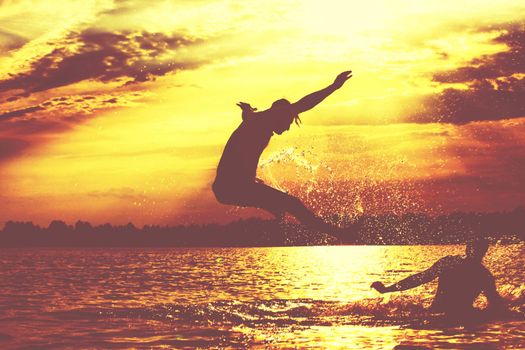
(275,201)
(262,196)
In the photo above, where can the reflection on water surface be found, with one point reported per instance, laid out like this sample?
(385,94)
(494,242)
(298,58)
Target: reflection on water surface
(238,298)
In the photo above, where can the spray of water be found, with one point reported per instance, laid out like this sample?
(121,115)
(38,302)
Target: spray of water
(301,172)
(341,192)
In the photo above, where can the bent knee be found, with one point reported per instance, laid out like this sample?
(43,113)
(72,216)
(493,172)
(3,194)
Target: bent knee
(227,194)
(220,193)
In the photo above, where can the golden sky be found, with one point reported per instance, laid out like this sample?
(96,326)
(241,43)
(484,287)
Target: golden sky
(117,111)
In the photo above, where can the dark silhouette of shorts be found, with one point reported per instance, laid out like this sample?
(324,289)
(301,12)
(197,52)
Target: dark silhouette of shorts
(254,194)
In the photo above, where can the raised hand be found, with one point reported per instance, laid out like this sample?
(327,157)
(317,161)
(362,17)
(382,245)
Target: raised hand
(247,110)
(342,78)
(246,107)
(379,286)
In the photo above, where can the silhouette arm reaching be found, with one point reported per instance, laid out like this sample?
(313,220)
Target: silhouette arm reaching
(247,109)
(310,101)
(412,281)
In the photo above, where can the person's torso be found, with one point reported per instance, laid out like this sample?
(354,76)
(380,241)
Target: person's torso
(241,154)
(459,285)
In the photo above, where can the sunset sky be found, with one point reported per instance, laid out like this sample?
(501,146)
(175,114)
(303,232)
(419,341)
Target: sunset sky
(118,111)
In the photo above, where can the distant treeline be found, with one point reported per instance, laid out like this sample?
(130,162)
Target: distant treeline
(383,229)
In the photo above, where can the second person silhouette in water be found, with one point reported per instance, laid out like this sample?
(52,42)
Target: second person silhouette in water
(460,281)
(236,182)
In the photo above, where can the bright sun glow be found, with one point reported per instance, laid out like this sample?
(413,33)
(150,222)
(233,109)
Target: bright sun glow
(147,148)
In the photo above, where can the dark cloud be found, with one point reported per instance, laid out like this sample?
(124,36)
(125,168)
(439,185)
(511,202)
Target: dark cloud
(65,106)
(496,85)
(11,147)
(23,128)
(35,126)
(502,64)
(20,112)
(96,55)
(105,57)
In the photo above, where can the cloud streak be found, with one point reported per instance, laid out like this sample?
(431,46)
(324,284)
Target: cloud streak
(103,56)
(10,41)
(23,128)
(495,85)
(44,98)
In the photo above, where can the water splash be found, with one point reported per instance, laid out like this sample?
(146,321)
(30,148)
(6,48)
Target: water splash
(307,180)
(295,156)
(382,311)
(341,192)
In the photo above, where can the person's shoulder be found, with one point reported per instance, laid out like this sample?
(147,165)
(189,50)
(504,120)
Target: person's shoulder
(452,258)
(258,123)
(249,123)
(252,120)
(484,270)
(449,261)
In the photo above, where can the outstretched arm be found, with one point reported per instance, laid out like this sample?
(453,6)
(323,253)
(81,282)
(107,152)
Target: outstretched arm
(310,101)
(411,281)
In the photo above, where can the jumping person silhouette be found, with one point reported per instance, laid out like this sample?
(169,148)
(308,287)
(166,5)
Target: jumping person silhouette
(461,281)
(236,182)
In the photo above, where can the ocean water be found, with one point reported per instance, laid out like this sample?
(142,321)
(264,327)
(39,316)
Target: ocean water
(277,298)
